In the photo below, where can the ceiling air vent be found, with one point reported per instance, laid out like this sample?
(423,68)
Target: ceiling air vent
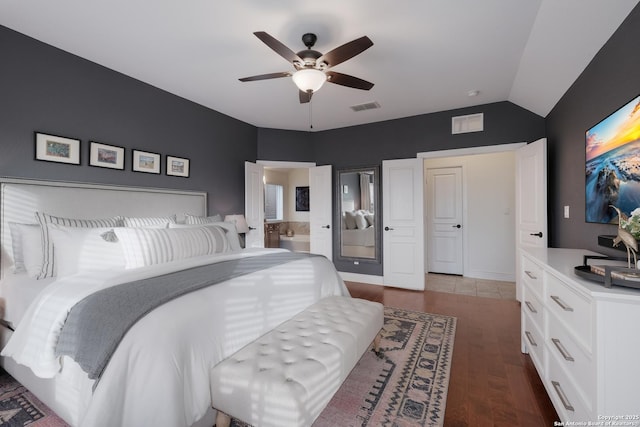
(367,106)
(466,124)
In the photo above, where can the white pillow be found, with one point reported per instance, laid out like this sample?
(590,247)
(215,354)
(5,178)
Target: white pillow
(148,246)
(350,220)
(370,219)
(26,243)
(48,257)
(84,249)
(150,222)
(228,227)
(361,222)
(192,219)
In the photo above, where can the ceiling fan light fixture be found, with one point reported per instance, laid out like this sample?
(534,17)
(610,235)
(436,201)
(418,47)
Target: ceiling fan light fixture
(309,79)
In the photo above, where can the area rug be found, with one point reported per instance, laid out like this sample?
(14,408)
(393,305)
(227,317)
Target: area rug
(18,407)
(405,387)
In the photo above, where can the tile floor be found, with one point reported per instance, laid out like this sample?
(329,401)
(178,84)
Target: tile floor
(469,286)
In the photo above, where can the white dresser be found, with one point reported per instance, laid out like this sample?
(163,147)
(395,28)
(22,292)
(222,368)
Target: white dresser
(583,338)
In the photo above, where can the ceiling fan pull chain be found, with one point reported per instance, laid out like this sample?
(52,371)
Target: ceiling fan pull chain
(310,115)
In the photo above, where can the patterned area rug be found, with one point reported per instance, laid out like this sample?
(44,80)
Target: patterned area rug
(18,407)
(405,387)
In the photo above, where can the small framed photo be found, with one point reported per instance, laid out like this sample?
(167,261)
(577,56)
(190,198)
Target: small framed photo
(302,199)
(106,156)
(177,166)
(53,148)
(143,161)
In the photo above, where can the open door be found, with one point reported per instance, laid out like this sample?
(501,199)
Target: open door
(320,211)
(254,204)
(531,200)
(403,223)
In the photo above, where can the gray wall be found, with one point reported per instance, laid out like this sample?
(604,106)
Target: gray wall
(609,81)
(369,145)
(48,90)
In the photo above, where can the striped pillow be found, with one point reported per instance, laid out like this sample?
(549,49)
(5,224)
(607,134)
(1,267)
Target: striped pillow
(48,253)
(150,222)
(200,220)
(148,246)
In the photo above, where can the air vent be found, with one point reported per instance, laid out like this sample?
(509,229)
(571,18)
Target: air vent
(466,124)
(367,106)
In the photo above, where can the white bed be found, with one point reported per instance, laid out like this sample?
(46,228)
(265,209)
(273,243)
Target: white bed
(159,373)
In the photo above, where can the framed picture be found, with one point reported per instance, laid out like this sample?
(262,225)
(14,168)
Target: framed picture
(53,148)
(177,166)
(106,156)
(302,199)
(143,161)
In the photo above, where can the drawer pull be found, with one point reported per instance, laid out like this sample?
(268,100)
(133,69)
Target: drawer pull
(561,303)
(531,307)
(562,396)
(530,274)
(563,351)
(530,338)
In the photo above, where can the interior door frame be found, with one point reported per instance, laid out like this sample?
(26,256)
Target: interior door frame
(456,152)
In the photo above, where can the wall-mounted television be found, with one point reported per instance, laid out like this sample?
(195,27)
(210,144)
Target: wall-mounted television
(613,164)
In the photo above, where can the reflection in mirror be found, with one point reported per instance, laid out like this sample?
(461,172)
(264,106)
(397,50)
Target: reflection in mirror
(359,229)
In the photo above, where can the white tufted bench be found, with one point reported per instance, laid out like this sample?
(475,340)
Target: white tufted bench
(287,376)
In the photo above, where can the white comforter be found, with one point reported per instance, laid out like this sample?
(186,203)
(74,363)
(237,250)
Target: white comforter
(159,374)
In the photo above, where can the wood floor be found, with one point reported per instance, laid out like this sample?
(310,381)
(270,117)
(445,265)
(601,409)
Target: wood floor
(492,383)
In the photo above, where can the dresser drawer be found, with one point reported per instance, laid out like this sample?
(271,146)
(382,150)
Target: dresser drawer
(534,342)
(532,275)
(564,351)
(571,308)
(564,395)
(532,306)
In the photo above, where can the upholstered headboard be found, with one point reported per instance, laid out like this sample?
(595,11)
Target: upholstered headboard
(21,198)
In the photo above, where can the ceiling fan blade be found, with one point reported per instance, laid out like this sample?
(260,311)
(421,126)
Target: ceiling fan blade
(265,76)
(278,47)
(347,80)
(305,97)
(346,51)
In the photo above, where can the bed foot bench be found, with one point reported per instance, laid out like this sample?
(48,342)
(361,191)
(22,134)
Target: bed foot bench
(288,376)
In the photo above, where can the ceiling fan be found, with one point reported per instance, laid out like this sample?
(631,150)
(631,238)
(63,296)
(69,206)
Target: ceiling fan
(312,67)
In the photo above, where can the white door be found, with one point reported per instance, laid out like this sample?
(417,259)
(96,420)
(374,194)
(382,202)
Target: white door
(444,220)
(320,211)
(403,223)
(254,204)
(531,200)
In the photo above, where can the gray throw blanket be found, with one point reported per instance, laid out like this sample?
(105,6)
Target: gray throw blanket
(95,325)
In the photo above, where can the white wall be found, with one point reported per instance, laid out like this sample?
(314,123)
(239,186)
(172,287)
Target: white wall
(488,213)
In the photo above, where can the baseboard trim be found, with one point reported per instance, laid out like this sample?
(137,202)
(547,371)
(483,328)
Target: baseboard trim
(361,278)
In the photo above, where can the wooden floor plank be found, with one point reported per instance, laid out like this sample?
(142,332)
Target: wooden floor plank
(492,383)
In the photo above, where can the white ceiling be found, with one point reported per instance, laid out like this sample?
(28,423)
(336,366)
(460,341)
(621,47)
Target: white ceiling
(427,54)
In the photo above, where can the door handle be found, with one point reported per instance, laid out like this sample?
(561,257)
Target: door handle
(251,228)
(388,228)
(456,226)
(326,226)
(539,234)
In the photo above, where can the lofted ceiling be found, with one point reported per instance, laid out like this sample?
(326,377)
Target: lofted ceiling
(427,54)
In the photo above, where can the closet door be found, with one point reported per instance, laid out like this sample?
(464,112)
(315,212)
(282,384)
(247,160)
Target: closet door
(403,223)
(320,211)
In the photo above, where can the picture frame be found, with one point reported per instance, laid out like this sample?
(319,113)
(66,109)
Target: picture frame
(55,148)
(177,166)
(145,161)
(106,156)
(302,199)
